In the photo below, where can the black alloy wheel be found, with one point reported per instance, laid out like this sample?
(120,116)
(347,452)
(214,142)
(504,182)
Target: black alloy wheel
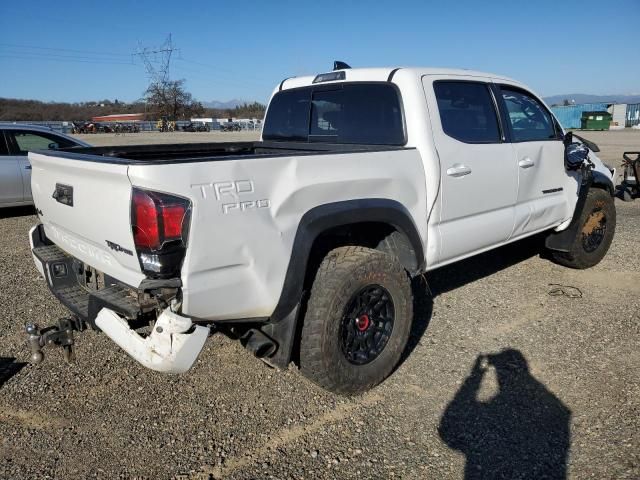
(367,324)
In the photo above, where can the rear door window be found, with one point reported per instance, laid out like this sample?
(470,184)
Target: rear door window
(357,113)
(528,118)
(467,111)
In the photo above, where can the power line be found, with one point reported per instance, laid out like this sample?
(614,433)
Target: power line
(57,55)
(34,47)
(156,61)
(65,59)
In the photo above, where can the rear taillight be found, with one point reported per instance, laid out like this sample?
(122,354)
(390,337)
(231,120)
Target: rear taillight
(160,225)
(145,221)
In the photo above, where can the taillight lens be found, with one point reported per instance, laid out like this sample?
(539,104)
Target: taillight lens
(160,225)
(145,221)
(172,218)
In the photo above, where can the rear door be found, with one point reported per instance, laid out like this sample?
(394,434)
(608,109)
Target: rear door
(478,176)
(539,154)
(10,179)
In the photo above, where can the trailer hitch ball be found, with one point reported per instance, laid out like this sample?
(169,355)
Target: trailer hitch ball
(34,343)
(60,335)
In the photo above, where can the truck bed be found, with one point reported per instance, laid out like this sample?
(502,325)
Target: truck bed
(244,215)
(203,152)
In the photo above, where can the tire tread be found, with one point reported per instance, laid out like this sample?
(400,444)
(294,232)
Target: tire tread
(339,264)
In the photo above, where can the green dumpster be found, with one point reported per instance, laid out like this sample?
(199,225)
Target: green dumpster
(595,121)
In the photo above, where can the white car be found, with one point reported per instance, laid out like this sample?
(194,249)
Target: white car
(15,171)
(303,244)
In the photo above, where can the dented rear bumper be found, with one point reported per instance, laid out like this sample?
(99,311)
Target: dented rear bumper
(172,346)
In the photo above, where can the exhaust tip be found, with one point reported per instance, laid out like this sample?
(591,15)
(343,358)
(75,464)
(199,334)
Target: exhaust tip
(258,343)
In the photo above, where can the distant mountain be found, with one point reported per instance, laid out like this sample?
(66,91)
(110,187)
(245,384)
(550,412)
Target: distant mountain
(225,105)
(586,98)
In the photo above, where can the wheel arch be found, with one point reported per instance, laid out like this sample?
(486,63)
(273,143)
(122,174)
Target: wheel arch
(561,241)
(600,180)
(321,228)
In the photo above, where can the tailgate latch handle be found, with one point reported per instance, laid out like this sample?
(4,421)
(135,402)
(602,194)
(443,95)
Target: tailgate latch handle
(63,194)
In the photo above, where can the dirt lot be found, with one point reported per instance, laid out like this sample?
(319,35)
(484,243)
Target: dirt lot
(563,394)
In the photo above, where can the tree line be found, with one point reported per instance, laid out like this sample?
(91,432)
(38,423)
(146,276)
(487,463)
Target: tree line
(171,101)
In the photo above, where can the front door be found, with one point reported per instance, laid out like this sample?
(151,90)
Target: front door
(478,175)
(542,179)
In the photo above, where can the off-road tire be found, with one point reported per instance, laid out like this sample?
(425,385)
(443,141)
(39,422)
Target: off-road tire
(599,203)
(343,273)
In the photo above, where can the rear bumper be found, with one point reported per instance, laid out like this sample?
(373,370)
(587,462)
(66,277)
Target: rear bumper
(63,274)
(174,342)
(172,347)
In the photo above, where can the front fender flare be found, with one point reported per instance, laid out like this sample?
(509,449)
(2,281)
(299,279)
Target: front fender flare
(600,180)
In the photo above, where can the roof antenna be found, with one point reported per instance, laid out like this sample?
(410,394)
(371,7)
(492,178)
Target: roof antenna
(338,65)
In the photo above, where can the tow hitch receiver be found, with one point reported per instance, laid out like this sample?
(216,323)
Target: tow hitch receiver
(60,335)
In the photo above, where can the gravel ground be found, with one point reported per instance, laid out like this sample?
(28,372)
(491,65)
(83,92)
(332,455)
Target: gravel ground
(561,395)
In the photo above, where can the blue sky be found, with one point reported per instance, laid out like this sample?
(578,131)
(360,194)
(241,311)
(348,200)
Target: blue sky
(241,48)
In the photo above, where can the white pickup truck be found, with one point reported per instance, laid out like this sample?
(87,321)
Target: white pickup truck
(303,244)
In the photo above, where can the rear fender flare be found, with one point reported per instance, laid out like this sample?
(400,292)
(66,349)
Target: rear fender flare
(325,217)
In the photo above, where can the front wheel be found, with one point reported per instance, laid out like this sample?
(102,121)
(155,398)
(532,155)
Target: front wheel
(593,239)
(358,320)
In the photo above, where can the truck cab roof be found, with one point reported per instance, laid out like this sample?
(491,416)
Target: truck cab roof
(385,74)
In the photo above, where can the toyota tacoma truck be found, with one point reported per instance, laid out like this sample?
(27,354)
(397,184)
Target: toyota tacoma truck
(303,245)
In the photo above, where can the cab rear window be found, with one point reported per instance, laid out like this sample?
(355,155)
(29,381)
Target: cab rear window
(356,113)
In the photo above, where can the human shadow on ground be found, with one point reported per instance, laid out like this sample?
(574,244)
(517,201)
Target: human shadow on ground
(523,432)
(8,368)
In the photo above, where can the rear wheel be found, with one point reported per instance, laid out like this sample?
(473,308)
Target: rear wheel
(358,320)
(593,239)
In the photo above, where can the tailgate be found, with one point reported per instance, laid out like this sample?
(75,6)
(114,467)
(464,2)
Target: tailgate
(90,218)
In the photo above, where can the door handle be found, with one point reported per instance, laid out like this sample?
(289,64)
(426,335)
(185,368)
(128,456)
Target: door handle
(458,170)
(526,162)
(28,167)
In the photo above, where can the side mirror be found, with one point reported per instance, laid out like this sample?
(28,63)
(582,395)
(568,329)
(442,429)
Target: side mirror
(568,139)
(575,154)
(53,146)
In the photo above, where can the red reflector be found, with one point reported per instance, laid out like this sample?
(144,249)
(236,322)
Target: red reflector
(172,216)
(145,230)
